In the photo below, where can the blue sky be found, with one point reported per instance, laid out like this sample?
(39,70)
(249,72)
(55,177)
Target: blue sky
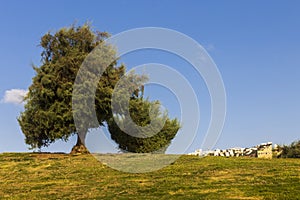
(255,45)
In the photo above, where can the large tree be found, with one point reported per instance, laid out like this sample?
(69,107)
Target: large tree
(48,114)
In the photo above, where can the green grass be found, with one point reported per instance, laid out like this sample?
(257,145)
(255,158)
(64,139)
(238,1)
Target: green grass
(60,176)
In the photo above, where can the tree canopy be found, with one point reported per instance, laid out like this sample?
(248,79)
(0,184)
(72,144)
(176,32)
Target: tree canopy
(48,114)
(48,110)
(142,140)
(292,150)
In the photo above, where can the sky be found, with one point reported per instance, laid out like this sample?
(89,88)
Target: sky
(255,45)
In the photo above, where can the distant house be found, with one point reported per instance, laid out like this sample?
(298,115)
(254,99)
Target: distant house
(265,150)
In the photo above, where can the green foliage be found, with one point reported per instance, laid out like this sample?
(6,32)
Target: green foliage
(48,111)
(144,143)
(48,114)
(292,150)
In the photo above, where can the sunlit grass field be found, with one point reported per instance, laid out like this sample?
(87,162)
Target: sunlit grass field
(63,176)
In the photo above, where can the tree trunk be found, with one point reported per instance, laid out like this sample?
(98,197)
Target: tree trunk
(80,148)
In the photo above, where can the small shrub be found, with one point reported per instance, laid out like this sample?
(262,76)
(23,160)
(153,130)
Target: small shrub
(291,151)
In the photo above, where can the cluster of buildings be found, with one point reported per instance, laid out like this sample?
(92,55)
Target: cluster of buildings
(263,150)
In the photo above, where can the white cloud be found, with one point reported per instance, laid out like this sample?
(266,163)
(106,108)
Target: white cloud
(15,96)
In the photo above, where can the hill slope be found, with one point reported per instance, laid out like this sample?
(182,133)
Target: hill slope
(62,176)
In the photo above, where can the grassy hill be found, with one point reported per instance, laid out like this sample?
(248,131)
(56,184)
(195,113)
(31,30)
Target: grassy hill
(62,176)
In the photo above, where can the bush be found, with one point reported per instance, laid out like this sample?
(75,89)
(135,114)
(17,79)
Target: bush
(291,151)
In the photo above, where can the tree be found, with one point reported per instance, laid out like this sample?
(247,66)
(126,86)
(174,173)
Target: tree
(291,151)
(141,140)
(48,112)
(49,115)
